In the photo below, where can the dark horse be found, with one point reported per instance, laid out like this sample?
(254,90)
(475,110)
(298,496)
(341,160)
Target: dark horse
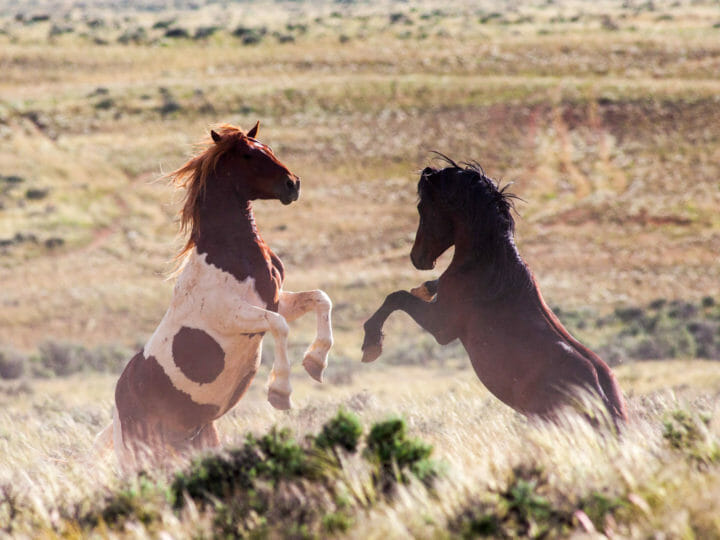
(206,350)
(489,300)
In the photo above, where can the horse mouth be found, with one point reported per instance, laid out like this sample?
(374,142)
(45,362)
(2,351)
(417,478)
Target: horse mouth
(287,199)
(422,263)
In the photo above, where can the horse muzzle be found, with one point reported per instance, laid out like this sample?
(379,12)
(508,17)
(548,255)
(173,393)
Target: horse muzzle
(290,191)
(421,263)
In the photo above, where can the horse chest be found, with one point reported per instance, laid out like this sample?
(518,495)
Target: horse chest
(196,343)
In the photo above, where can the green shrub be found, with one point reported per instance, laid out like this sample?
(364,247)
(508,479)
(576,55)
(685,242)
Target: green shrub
(203,32)
(138,500)
(272,458)
(177,32)
(344,431)
(526,508)
(689,434)
(388,446)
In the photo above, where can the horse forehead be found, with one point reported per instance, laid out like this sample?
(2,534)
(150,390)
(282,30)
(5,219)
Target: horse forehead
(257,145)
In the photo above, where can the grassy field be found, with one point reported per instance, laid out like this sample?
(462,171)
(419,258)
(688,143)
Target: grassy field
(604,115)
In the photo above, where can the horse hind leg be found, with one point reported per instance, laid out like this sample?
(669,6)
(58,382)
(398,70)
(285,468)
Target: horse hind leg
(207,438)
(125,456)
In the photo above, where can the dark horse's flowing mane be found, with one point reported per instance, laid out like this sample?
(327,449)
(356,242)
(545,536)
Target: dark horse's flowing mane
(193,177)
(464,190)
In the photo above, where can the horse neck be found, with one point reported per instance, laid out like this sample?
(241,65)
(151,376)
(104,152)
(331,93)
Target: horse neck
(495,260)
(226,227)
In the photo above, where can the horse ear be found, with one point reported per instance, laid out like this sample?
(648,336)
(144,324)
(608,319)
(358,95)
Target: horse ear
(253,132)
(215,137)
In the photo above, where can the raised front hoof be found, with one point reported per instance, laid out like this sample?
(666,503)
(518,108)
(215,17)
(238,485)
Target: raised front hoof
(314,366)
(279,400)
(371,354)
(371,351)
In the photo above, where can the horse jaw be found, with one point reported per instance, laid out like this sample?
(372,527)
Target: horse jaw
(421,263)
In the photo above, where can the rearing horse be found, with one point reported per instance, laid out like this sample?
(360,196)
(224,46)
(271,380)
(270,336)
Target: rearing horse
(206,350)
(488,298)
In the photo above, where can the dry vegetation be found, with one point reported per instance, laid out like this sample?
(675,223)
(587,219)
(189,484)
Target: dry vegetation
(605,116)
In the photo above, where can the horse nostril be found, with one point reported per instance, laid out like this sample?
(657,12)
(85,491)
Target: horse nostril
(291,185)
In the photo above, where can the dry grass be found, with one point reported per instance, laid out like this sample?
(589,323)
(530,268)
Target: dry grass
(48,431)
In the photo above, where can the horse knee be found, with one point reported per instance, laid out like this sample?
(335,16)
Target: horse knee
(324,303)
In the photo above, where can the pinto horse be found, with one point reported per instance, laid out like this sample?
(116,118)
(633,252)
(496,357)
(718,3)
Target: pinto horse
(489,299)
(206,350)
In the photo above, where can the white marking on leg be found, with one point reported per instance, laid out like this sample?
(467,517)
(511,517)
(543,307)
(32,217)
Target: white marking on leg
(295,304)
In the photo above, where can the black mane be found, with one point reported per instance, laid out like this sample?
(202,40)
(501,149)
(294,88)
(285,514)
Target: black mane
(465,192)
(465,189)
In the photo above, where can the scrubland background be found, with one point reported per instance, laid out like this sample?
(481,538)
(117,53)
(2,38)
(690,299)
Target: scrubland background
(604,115)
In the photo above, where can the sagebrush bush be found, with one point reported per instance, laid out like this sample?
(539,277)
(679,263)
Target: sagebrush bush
(63,358)
(12,364)
(662,329)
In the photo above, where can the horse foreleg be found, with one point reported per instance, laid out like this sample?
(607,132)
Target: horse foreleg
(294,305)
(426,291)
(427,314)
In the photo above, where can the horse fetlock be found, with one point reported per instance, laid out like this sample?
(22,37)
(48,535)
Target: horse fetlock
(279,399)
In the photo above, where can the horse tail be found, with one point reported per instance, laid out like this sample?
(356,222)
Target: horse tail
(611,394)
(613,397)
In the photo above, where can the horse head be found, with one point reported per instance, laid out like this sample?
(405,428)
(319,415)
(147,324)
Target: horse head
(252,167)
(435,231)
(460,204)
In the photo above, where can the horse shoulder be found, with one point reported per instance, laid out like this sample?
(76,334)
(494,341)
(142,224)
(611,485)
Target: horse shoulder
(211,292)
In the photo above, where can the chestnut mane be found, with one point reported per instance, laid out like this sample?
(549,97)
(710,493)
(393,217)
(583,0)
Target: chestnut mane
(193,177)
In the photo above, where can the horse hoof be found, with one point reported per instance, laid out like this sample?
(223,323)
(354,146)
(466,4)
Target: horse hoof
(371,352)
(279,400)
(314,367)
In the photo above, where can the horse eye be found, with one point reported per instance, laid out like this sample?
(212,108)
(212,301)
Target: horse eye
(247,156)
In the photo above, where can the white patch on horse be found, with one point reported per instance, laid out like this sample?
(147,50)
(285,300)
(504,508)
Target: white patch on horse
(200,300)
(566,347)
